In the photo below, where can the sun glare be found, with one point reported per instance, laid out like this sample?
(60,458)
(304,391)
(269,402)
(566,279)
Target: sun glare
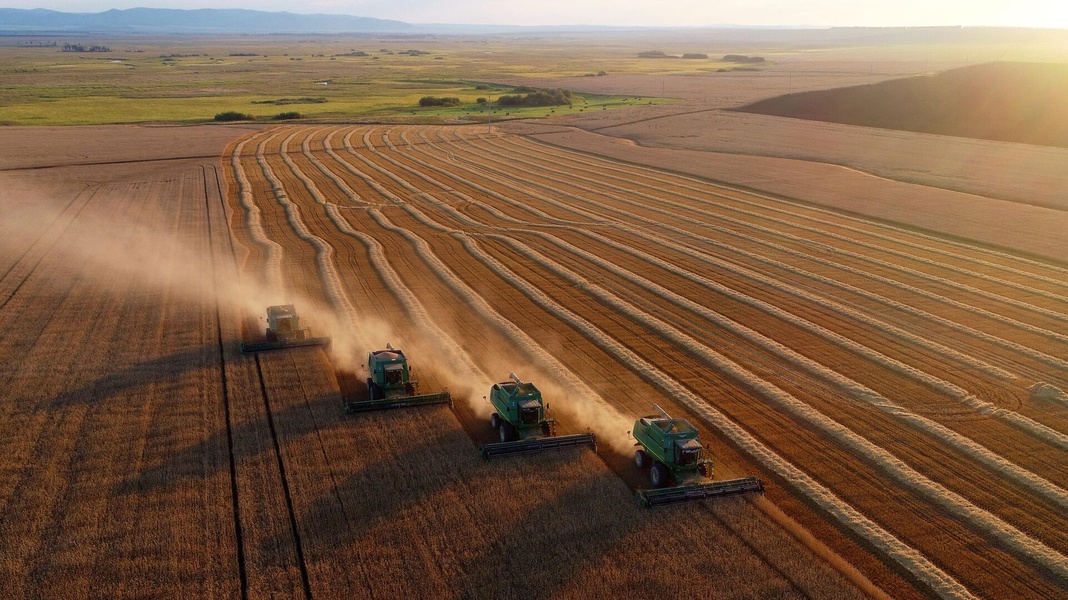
(1050,15)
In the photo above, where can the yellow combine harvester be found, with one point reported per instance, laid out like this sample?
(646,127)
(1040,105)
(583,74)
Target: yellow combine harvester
(284,331)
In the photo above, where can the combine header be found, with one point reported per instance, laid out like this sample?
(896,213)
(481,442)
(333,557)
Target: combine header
(522,422)
(672,453)
(391,385)
(284,331)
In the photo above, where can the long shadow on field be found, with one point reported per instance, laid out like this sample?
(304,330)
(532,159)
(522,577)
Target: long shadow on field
(159,371)
(395,476)
(540,555)
(410,471)
(251,439)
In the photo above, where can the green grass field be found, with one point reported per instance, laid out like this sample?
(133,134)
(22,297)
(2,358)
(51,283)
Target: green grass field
(192,79)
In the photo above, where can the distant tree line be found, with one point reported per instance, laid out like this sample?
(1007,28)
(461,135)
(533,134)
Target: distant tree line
(434,101)
(233,115)
(536,97)
(81,48)
(741,58)
(283,101)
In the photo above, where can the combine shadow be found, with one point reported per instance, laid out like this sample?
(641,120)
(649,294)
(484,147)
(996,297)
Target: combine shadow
(159,370)
(190,464)
(377,494)
(540,555)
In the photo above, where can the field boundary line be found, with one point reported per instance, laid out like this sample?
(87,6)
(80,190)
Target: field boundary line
(238,530)
(294,528)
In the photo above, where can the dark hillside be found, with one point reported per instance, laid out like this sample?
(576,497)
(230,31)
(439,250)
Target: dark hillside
(1012,102)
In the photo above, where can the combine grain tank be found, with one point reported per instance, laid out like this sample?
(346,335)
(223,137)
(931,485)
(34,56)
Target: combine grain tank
(284,331)
(522,423)
(390,384)
(671,451)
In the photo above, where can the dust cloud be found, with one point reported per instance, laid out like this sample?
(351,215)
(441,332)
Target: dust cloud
(148,249)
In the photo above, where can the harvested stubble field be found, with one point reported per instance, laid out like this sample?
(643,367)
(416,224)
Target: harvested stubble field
(878,377)
(875,376)
(145,455)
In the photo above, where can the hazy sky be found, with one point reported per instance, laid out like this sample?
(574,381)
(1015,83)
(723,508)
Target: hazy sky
(1026,13)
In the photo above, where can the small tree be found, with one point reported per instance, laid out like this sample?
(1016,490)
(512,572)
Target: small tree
(233,115)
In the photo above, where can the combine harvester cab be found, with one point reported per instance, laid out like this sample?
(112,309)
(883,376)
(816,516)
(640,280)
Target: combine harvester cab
(284,331)
(522,423)
(390,384)
(671,451)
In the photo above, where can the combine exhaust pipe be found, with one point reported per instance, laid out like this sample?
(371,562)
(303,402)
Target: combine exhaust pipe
(398,402)
(499,449)
(699,491)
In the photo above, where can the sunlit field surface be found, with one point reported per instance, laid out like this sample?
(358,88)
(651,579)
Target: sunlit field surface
(871,321)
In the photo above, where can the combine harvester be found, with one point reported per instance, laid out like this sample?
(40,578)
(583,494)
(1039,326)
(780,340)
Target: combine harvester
(522,422)
(391,385)
(672,453)
(284,331)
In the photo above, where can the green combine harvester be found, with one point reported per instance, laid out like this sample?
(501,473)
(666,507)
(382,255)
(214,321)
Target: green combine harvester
(284,331)
(390,384)
(671,452)
(522,422)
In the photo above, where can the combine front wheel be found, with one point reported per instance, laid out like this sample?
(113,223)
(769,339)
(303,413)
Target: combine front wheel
(505,432)
(658,475)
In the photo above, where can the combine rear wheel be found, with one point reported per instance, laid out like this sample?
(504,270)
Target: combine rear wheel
(658,475)
(495,421)
(641,459)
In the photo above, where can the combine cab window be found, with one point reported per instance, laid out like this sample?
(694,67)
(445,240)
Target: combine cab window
(687,456)
(285,325)
(528,415)
(393,377)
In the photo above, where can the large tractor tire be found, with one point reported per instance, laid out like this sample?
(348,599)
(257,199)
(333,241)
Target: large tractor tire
(504,432)
(271,336)
(641,459)
(372,389)
(658,475)
(495,421)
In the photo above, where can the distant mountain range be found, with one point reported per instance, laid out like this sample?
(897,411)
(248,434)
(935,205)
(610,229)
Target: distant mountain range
(205,20)
(14,21)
